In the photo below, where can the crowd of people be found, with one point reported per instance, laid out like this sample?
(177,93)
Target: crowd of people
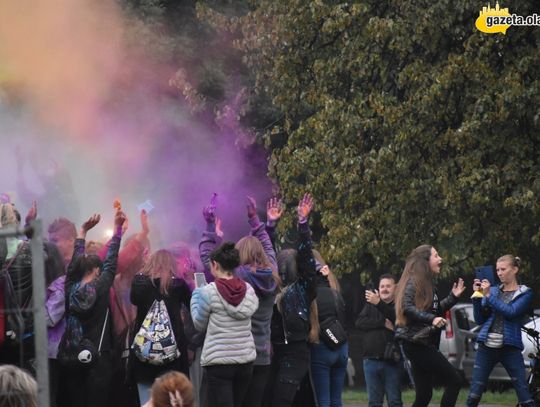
(235,324)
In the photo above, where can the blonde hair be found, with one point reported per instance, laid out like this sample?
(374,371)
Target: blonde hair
(17,388)
(252,252)
(7,215)
(162,265)
(514,261)
(172,389)
(332,279)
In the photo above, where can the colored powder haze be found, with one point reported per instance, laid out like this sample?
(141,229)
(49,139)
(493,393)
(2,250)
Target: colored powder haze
(86,125)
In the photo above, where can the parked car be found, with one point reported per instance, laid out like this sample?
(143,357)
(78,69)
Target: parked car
(455,339)
(458,342)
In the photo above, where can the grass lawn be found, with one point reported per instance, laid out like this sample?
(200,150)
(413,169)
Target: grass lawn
(506,398)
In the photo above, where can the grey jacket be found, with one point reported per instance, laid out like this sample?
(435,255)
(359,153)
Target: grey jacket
(228,328)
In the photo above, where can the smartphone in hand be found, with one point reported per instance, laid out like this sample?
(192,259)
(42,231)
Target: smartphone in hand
(485,273)
(200,280)
(370,287)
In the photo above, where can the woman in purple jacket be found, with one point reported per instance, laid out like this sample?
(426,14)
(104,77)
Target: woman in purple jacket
(55,308)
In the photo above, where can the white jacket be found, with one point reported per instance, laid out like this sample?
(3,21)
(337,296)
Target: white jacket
(228,337)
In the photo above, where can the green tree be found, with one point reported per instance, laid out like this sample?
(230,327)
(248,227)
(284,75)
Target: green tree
(406,123)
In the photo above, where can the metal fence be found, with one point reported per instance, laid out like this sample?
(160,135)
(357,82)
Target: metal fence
(38,304)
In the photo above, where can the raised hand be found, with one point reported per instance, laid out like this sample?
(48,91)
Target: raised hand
(119,220)
(373,297)
(477,284)
(458,288)
(32,213)
(325,270)
(209,213)
(304,208)
(274,210)
(144,222)
(91,222)
(219,231)
(251,207)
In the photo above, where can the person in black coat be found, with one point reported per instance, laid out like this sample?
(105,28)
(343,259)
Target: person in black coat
(376,321)
(158,280)
(419,320)
(87,286)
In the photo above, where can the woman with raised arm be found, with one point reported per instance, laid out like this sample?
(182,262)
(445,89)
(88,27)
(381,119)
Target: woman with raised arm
(501,312)
(329,357)
(294,320)
(419,320)
(258,268)
(87,286)
(223,309)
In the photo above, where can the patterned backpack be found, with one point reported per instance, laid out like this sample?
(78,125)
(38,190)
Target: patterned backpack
(155,343)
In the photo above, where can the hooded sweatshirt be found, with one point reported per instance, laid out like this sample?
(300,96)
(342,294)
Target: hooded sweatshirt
(228,327)
(265,287)
(261,279)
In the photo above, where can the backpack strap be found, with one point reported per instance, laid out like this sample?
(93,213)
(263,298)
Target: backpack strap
(103,330)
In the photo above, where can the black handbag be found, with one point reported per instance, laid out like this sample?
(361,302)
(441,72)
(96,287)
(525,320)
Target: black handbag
(392,352)
(332,332)
(79,354)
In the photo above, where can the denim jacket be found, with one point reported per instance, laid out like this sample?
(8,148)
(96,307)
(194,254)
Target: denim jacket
(513,313)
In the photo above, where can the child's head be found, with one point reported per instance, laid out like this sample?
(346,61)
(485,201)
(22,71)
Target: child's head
(172,389)
(18,388)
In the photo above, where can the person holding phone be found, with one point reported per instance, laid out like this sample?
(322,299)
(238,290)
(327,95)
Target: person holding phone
(501,312)
(419,322)
(224,309)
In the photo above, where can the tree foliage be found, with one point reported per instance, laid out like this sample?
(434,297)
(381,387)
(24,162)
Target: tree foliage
(406,123)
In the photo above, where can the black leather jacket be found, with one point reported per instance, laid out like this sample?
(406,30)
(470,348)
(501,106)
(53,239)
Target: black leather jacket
(20,273)
(419,322)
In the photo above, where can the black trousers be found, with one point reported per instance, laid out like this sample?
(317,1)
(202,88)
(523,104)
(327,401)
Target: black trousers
(225,385)
(255,391)
(90,387)
(290,364)
(429,366)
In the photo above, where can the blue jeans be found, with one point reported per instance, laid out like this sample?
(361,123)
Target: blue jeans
(328,370)
(512,360)
(144,392)
(383,378)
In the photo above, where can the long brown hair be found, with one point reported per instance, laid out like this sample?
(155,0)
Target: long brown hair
(252,253)
(332,279)
(418,271)
(162,265)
